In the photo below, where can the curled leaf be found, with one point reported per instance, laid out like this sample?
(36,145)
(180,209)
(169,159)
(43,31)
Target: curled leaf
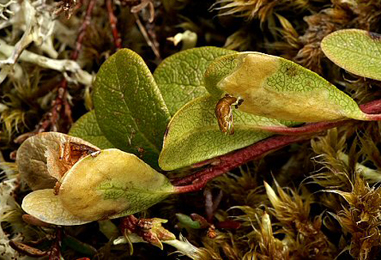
(44,158)
(274,87)
(356,51)
(102,185)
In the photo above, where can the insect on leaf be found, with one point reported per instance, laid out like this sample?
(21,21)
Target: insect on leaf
(193,134)
(274,87)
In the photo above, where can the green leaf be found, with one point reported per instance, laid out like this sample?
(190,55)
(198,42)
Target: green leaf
(274,87)
(87,128)
(129,107)
(356,51)
(193,134)
(180,76)
(187,221)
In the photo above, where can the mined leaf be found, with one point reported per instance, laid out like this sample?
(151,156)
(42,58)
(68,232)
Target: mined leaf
(103,185)
(278,88)
(42,160)
(47,207)
(87,128)
(193,134)
(180,77)
(129,107)
(356,51)
(111,184)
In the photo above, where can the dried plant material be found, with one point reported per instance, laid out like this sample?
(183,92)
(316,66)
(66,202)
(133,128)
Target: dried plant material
(68,7)
(357,51)
(281,89)
(39,26)
(293,211)
(188,38)
(7,205)
(143,5)
(150,229)
(261,9)
(319,25)
(269,246)
(183,246)
(336,173)
(60,65)
(28,250)
(361,218)
(4,9)
(289,34)
(44,158)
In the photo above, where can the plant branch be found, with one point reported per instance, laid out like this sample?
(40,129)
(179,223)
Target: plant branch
(61,99)
(113,22)
(82,30)
(234,159)
(146,37)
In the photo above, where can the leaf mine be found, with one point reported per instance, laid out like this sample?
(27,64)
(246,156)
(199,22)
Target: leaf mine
(278,88)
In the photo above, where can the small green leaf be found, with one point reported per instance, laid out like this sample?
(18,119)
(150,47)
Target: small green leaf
(187,221)
(193,134)
(180,76)
(274,87)
(356,51)
(87,128)
(129,107)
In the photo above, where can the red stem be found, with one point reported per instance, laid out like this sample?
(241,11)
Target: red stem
(61,100)
(113,22)
(305,129)
(55,250)
(234,159)
(82,30)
